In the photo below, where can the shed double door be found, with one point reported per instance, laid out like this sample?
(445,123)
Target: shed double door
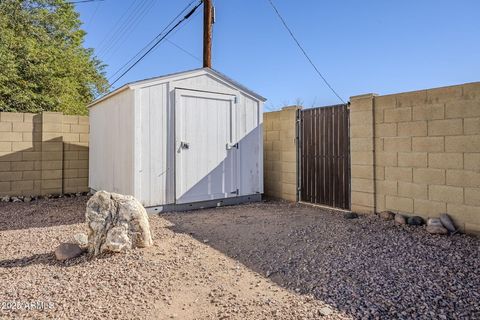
(206,164)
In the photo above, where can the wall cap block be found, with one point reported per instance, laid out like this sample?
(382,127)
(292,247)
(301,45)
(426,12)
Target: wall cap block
(363,96)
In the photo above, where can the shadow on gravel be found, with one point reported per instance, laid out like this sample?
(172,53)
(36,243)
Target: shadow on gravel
(42,213)
(44,259)
(364,267)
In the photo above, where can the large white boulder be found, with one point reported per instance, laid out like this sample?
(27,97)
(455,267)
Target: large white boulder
(116,223)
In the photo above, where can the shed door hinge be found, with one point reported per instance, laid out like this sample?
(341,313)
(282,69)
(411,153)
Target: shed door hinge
(235,99)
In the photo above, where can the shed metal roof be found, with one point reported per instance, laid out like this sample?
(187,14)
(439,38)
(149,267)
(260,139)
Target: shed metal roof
(177,74)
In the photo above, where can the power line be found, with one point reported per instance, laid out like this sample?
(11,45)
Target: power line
(126,33)
(90,20)
(184,50)
(112,32)
(158,42)
(135,16)
(303,51)
(153,40)
(180,47)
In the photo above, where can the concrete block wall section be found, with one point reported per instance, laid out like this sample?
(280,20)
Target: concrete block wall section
(362,146)
(43,153)
(280,160)
(75,153)
(425,158)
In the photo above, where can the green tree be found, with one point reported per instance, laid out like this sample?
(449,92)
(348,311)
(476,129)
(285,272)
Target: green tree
(43,64)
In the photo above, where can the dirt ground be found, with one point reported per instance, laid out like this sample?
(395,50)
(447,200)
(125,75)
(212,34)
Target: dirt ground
(269,260)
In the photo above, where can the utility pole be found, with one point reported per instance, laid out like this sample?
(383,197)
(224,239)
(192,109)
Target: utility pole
(207,33)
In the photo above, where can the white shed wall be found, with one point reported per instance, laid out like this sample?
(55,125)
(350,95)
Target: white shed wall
(155,167)
(111,144)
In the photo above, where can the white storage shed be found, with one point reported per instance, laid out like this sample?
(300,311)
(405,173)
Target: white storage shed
(186,140)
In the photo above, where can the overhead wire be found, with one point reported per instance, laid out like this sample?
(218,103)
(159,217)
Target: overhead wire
(304,52)
(128,28)
(91,18)
(114,30)
(154,39)
(157,42)
(177,45)
(183,49)
(124,28)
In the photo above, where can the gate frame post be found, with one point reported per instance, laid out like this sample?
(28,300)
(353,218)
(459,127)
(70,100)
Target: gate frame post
(298,143)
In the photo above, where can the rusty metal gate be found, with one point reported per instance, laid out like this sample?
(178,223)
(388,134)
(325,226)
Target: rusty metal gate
(324,156)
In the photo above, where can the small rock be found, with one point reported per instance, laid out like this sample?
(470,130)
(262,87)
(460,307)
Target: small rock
(27,199)
(81,239)
(6,199)
(350,215)
(415,221)
(78,194)
(434,222)
(67,251)
(435,229)
(325,311)
(16,199)
(387,215)
(400,219)
(447,222)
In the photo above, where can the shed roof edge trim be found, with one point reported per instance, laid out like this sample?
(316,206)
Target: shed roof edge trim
(140,83)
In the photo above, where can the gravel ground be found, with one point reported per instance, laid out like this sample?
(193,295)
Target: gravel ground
(178,277)
(363,268)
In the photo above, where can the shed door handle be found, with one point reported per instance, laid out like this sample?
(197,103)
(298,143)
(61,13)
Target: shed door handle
(230,146)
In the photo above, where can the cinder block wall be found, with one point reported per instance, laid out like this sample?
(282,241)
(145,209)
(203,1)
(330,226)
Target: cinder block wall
(43,153)
(75,153)
(418,153)
(280,165)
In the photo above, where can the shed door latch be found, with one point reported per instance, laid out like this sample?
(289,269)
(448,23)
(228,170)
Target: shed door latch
(230,146)
(184,145)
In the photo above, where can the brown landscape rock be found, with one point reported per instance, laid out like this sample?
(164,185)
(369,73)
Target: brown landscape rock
(67,251)
(435,229)
(400,219)
(447,222)
(387,215)
(434,222)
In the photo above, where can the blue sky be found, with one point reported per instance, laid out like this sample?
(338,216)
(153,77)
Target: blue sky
(360,46)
